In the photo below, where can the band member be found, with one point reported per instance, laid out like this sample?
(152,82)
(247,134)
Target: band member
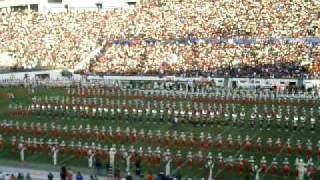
(25,128)
(182,139)
(278,119)
(269,117)
(150,136)
(29,147)
(190,159)
(65,131)
(259,144)
(247,143)
(118,134)
(134,136)
(229,164)
(274,167)
(190,142)
(263,165)
(80,132)
(42,146)
(200,159)
(178,159)
(251,165)
(99,134)
(79,149)
(302,122)
(140,154)
(299,147)
(312,124)
(279,145)
(289,148)
(133,154)
(242,119)
(286,122)
(1,142)
(286,167)
(104,152)
(269,145)
(209,141)
(127,134)
(14,144)
(111,135)
(239,142)
(311,169)
(241,164)
(142,135)
(175,138)
(309,148)
(74,133)
(167,138)
(230,141)
(252,120)
(219,141)
(220,161)
(234,119)
(261,121)
(158,137)
(295,122)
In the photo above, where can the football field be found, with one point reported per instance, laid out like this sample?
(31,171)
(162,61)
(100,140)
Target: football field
(23,97)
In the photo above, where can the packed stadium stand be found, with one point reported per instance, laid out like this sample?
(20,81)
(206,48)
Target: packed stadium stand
(159,89)
(187,38)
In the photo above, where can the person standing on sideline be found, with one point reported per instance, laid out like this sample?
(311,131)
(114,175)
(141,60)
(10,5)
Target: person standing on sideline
(28,176)
(12,177)
(129,177)
(79,176)
(150,176)
(63,173)
(20,177)
(50,176)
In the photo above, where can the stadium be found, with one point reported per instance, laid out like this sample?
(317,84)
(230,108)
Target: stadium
(159,89)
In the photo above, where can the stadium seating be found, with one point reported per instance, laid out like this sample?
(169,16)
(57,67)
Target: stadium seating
(173,37)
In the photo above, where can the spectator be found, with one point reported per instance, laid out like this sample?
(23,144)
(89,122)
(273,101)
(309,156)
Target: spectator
(150,176)
(20,177)
(28,176)
(12,177)
(63,173)
(98,166)
(79,176)
(69,175)
(138,167)
(172,38)
(50,176)
(129,177)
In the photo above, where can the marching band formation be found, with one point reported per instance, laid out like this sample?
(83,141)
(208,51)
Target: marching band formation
(221,108)
(157,156)
(175,139)
(203,150)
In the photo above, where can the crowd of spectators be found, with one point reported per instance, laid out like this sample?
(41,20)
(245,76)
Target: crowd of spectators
(56,40)
(186,38)
(175,37)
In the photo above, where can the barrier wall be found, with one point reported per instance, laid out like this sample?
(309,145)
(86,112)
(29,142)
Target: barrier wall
(55,75)
(44,6)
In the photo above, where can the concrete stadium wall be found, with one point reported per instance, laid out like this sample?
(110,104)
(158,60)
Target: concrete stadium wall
(240,82)
(9,3)
(45,7)
(54,74)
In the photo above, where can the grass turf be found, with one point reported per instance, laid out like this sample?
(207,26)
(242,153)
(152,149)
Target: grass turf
(23,96)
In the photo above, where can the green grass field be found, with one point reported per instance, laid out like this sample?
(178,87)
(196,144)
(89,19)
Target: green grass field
(23,96)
